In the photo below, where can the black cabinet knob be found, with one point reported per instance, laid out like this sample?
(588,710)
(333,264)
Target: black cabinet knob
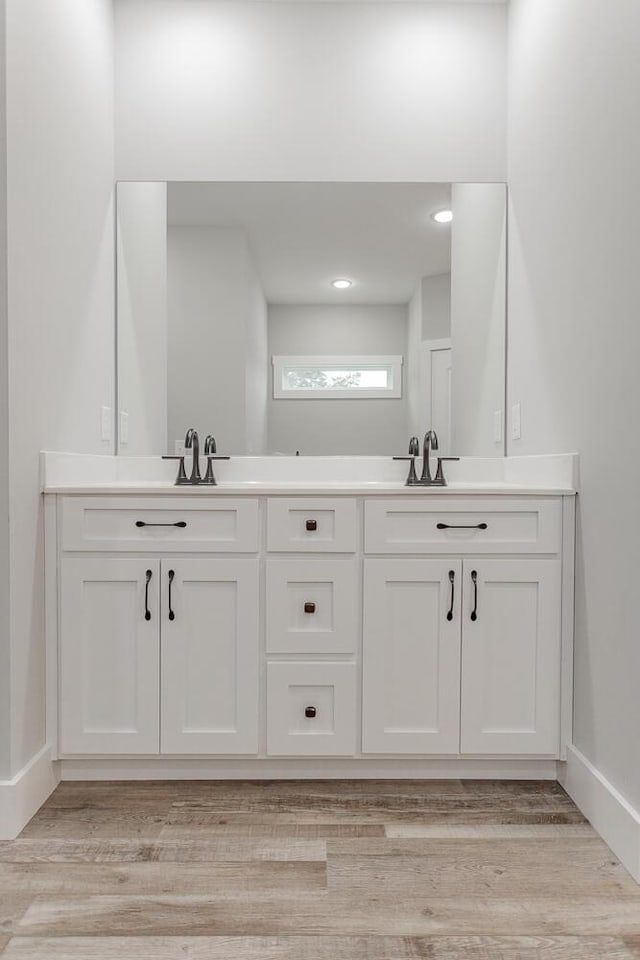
(310,712)
(311,524)
(309,607)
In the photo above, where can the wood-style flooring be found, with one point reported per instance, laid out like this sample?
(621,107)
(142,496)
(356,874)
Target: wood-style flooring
(314,870)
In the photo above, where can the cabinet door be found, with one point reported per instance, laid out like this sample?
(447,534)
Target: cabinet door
(109,656)
(209,656)
(411,656)
(511,656)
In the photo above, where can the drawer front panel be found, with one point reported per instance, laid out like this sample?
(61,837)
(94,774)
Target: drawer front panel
(311,526)
(312,606)
(311,709)
(463,526)
(165,524)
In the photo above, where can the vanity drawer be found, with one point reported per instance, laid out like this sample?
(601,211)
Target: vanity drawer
(484,526)
(311,526)
(311,709)
(191,524)
(312,606)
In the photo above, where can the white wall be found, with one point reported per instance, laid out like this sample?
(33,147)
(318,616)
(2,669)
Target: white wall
(217,321)
(5,686)
(478,277)
(335,427)
(436,307)
(318,91)
(428,319)
(574,336)
(60,267)
(142,316)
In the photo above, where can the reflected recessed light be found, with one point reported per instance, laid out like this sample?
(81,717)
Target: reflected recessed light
(442,216)
(341,284)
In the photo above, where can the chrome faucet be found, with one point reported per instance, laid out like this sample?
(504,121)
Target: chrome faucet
(192,442)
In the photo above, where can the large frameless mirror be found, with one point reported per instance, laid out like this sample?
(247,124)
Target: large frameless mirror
(311,318)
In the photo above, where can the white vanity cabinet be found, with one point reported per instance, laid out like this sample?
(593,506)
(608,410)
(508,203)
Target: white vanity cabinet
(385,629)
(158,654)
(109,658)
(462,653)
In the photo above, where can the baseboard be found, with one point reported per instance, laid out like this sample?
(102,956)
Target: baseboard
(164,768)
(22,797)
(607,810)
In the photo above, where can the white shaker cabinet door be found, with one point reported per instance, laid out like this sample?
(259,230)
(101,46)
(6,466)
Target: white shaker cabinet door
(209,656)
(109,656)
(511,656)
(411,656)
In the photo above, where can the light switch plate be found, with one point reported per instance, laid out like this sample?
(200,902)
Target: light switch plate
(497,426)
(124,427)
(105,423)
(516,425)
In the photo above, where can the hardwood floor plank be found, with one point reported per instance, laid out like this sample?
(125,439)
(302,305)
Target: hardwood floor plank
(216,880)
(488,831)
(317,916)
(269,829)
(13,906)
(319,948)
(221,848)
(495,868)
(100,823)
(198,819)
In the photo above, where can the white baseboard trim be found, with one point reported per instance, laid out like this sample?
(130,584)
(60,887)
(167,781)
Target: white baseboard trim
(163,768)
(22,797)
(606,809)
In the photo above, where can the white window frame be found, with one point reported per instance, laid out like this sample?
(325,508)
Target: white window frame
(392,392)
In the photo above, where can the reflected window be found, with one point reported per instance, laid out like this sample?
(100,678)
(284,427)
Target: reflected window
(317,378)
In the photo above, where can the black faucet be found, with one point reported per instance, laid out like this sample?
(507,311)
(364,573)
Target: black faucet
(429,443)
(192,442)
(426,480)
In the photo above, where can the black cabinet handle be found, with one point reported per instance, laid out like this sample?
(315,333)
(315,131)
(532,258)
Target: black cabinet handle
(143,523)
(147,612)
(309,606)
(474,580)
(461,526)
(311,524)
(310,712)
(452,577)
(172,574)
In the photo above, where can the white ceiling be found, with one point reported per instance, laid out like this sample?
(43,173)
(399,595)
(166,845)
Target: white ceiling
(304,235)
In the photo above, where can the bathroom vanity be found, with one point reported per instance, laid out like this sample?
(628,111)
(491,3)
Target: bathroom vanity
(344,619)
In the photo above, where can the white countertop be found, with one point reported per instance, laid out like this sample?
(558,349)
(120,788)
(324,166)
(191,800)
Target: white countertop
(258,488)
(66,473)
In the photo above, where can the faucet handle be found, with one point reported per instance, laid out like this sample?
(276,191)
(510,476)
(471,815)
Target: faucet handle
(439,479)
(412,478)
(181,479)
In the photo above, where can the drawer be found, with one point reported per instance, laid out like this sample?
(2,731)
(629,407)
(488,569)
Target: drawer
(312,606)
(311,709)
(191,524)
(457,525)
(312,526)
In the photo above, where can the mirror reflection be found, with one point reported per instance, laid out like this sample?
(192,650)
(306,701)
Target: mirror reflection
(311,318)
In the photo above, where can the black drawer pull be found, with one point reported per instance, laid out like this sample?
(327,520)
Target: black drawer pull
(309,607)
(452,577)
(462,526)
(147,612)
(310,712)
(311,524)
(172,574)
(143,523)
(474,580)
